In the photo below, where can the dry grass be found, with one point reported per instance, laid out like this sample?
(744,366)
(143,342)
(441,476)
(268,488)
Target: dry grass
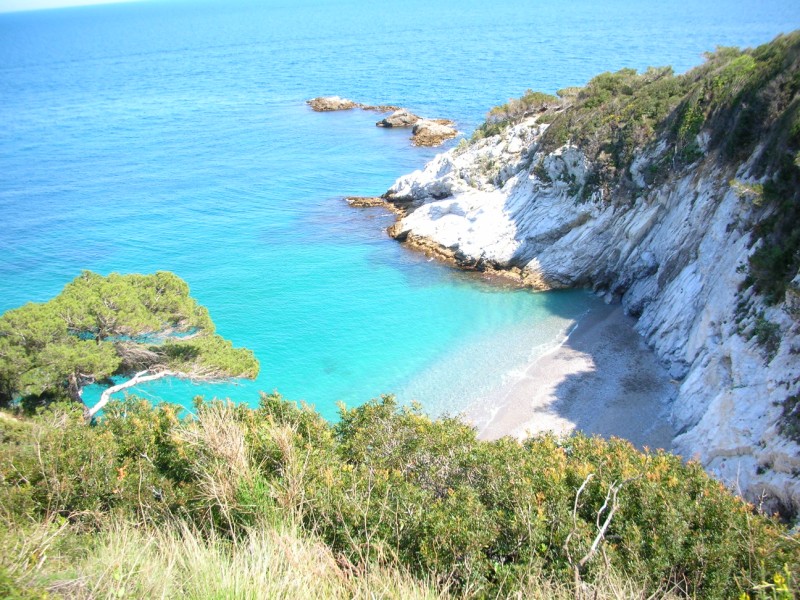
(222,463)
(180,562)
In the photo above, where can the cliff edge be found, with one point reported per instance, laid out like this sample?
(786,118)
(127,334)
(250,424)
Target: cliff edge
(676,195)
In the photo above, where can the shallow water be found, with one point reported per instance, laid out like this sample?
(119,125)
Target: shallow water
(174,135)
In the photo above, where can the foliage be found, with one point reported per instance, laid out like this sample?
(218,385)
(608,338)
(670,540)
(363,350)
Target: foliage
(388,486)
(789,422)
(500,117)
(58,465)
(767,334)
(268,561)
(10,590)
(103,326)
(750,192)
(776,261)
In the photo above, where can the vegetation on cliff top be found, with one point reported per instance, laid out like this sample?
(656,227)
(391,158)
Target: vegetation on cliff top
(737,105)
(385,501)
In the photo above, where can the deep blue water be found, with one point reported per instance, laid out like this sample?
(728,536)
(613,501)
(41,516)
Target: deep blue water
(174,135)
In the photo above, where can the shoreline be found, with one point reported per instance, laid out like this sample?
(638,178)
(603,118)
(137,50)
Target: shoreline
(602,379)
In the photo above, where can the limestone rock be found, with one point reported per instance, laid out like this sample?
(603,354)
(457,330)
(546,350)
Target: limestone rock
(399,118)
(330,103)
(373,202)
(428,132)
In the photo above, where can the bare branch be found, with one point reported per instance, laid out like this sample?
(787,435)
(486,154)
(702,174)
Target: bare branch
(140,377)
(611,496)
(575,523)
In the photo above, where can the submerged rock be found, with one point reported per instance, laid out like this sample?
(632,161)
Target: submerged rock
(371,202)
(331,103)
(380,107)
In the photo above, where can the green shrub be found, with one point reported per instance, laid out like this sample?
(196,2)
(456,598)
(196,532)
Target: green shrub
(500,117)
(387,485)
(129,462)
(10,590)
(480,515)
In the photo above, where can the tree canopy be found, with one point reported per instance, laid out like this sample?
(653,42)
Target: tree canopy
(140,326)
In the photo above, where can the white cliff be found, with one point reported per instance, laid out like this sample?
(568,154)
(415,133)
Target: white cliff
(675,256)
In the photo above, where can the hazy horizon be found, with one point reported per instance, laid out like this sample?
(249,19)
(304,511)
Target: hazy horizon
(27,5)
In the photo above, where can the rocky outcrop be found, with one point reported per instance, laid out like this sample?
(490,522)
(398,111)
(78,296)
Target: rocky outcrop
(331,103)
(674,255)
(429,132)
(425,132)
(399,118)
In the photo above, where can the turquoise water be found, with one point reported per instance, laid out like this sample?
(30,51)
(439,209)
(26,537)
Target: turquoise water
(174,135)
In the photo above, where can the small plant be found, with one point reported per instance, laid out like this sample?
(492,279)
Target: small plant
(502,116)
(750,192)
(461,147)
(767,334)
(782,587)
(541,173)
(789,422)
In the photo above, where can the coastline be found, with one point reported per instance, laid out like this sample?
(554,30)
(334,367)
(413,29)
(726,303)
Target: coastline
(602,379)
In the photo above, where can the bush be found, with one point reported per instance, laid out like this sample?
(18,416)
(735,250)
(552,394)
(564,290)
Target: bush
(387,485)
(502,116)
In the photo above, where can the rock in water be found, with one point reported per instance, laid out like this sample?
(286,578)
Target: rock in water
(428,132)
(330,103)
(399,118)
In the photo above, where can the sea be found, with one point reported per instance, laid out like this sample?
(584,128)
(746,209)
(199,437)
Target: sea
(174,135)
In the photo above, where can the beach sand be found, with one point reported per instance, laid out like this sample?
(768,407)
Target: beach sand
(602,380)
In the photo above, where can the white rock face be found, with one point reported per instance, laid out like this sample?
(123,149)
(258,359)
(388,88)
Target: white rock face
(674,257)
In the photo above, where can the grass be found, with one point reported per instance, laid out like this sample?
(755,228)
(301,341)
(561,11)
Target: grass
(136,561)
(127,560)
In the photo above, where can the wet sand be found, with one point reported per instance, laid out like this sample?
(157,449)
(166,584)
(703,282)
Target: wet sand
(602,380)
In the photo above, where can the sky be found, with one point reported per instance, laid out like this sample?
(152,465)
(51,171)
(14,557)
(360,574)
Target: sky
(17,5)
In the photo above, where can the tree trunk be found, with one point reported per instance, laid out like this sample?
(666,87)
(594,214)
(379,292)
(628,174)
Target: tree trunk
(75,391)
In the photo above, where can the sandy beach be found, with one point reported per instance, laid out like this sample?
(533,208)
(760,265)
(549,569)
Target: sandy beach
(602,380)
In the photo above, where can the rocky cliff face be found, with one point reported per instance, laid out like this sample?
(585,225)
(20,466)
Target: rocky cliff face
(674,253)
